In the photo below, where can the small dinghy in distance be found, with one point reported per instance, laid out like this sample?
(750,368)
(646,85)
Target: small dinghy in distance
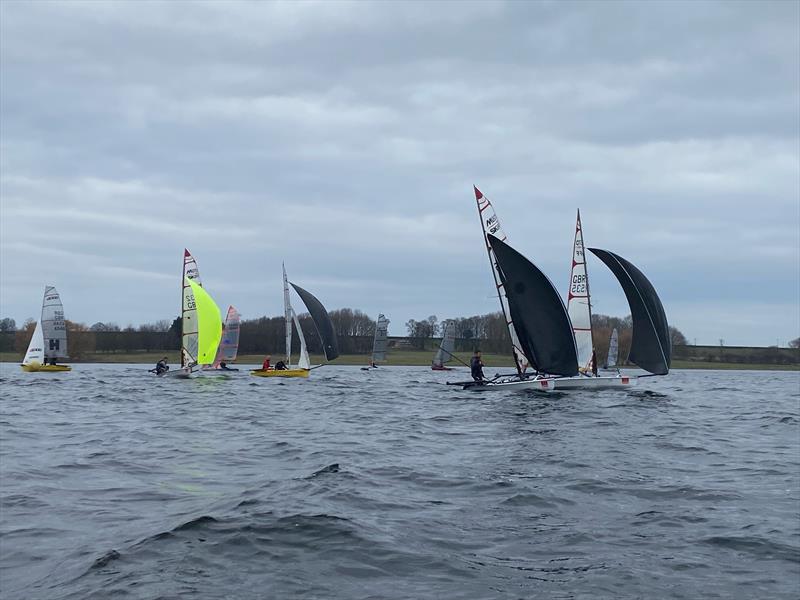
(380,343)
(49,340)
(445,352)
(228,346)
(324,327)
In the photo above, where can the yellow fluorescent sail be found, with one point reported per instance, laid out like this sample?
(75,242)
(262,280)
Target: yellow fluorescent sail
(209,325)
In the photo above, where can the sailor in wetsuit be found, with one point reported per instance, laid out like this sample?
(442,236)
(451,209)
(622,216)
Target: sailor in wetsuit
(281,366)
(162,366)
(476,366)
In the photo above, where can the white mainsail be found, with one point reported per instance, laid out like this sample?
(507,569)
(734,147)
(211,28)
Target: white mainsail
(613,349)
(304,362)
(445,352)
(380,343)
(188,310)
(229,345)
(54,328)
(35,352)
(491,225)
(579,303)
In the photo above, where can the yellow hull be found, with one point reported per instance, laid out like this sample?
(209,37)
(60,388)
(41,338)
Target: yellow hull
(282,373)
(35,368)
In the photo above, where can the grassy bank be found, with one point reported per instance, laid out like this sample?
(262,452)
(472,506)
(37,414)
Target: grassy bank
(397,358)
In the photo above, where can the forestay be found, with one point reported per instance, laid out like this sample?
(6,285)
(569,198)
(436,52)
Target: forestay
(491,226)
(541,319)
(651,347)
(35,352)
(189,310)
(578,301)
(445,352)
(54,328)
(381,341)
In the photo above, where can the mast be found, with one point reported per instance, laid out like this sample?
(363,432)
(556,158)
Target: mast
(579,303)
(287,315)
(491,225)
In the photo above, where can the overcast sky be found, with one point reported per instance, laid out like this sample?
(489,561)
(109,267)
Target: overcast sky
(344,138)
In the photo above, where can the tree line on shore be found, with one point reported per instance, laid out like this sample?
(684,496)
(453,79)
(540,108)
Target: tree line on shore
(355,330)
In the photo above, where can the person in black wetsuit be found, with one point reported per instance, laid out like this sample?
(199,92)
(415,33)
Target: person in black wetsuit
(280,366)
(476,366)
(162,366)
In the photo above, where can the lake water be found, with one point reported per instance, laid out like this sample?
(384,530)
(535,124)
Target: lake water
(115,483)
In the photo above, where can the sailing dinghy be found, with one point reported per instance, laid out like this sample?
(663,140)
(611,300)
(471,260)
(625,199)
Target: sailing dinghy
(579,307)
(49,340)
(613,351)
(228,346)
(324,327)
(379,343)
(445,352)
(201,322)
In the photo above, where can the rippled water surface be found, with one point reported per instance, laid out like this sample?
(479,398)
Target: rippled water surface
(115,483)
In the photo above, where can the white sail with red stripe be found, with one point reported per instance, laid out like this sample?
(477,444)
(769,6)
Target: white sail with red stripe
(491,225)
(578,302)
(189,348)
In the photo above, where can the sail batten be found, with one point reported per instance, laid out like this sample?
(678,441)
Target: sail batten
(540,317)
(491,227)
(651,347)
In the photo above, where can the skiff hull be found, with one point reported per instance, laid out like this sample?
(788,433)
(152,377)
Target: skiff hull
(438,368)
(541,385)
(37,368)
(603,382)
(282,373)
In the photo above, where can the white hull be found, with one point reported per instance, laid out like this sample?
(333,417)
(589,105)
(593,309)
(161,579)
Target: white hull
(184,373)
(544,384)
(602,382)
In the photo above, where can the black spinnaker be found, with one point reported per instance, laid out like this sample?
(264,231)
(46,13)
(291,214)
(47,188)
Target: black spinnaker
(651,347)
(539,314)
(321,321)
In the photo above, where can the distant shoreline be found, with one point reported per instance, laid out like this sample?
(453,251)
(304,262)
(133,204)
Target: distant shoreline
(405,358)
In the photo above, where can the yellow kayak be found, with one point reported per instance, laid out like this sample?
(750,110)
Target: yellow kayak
(36,367)
(280,373)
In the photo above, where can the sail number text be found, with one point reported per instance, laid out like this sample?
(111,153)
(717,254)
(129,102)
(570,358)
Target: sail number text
(578,284)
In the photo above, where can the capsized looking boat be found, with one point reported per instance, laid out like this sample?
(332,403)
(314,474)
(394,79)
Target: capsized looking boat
(49,340)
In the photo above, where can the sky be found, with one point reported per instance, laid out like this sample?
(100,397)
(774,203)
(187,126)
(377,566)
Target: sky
(344,138)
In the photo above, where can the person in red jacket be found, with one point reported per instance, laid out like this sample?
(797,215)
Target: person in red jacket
(265,366)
